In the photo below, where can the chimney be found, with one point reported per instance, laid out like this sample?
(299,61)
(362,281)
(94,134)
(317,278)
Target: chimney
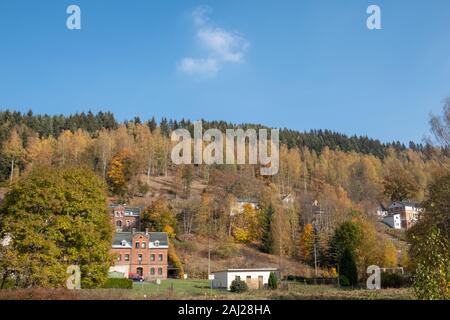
(133,231)
(146,231)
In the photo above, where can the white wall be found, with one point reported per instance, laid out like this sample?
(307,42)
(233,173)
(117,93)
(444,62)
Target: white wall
(224,279)
(220,280)
(125,269)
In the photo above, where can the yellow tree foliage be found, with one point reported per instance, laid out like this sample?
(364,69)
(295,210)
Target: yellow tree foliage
(40,151)
(119,173)
(389,254)
(13,150)
(306,244)
(246,224)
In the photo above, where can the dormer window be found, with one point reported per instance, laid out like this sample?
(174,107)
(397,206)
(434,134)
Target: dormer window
(157,243)
(124,243)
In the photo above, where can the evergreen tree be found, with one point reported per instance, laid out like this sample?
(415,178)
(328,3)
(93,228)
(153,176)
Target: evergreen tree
(347,266)
(267,238)
(273,281)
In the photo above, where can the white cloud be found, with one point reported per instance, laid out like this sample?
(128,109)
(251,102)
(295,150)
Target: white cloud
(201,15)
(203,67)
(221,46)
(226,45)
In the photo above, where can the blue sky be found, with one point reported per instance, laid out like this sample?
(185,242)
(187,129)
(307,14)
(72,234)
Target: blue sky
(297,64)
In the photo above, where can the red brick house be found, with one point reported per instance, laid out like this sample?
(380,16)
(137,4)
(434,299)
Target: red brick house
(125,218)
(142,253)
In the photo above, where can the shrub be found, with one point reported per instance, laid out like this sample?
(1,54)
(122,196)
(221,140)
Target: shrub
(238,286)
(273,281)
(118,283)
(343,281)
(393,280)
(224,250)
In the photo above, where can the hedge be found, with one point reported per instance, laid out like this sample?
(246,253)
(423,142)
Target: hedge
(394,280)
(118,283)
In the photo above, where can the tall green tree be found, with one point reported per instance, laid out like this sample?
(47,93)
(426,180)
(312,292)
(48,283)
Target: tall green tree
(431,280)
(430,239)
(267,238)
(57,218)
(347,236)
(347,266)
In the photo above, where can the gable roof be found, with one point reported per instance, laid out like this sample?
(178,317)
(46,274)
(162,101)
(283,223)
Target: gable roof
(128,210)
(152,236)
(406,203)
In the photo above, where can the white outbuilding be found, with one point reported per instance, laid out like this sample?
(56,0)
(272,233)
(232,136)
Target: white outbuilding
(256,278)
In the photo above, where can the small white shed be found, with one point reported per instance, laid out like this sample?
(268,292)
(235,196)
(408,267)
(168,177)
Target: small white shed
(256,278)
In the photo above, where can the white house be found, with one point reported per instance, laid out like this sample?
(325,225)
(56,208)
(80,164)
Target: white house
(288,200)
(393,220)
(256,278)
(381,213)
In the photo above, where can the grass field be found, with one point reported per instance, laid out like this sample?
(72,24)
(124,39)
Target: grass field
(178,288)
(199,289)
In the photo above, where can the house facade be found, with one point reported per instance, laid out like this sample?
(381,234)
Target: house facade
(256,278)
(393,220)
(125,218)
(408,212)
(141,253)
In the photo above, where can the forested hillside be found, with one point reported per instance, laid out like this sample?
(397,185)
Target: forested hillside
(344,178)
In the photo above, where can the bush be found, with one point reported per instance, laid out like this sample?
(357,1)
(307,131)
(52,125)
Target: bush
(118,283)
(224,250)
(343,281)
(273,281)
(393,280)
(238,286)
(347,266)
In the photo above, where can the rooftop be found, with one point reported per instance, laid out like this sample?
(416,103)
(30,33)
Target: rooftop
(152,236)
(247,270)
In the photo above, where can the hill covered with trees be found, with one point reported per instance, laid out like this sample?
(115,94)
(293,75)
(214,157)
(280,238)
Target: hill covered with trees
(343,178)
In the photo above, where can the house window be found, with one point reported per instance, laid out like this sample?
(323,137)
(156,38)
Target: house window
(127,257)
(136,245)
(124,243)
(140,257)
(160,271)
(249,278)
(237,278)
(119,224)
(156,243)
(152,257)
(128,223)
(119,257)
(160,257)
(152,271)
(143,245)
